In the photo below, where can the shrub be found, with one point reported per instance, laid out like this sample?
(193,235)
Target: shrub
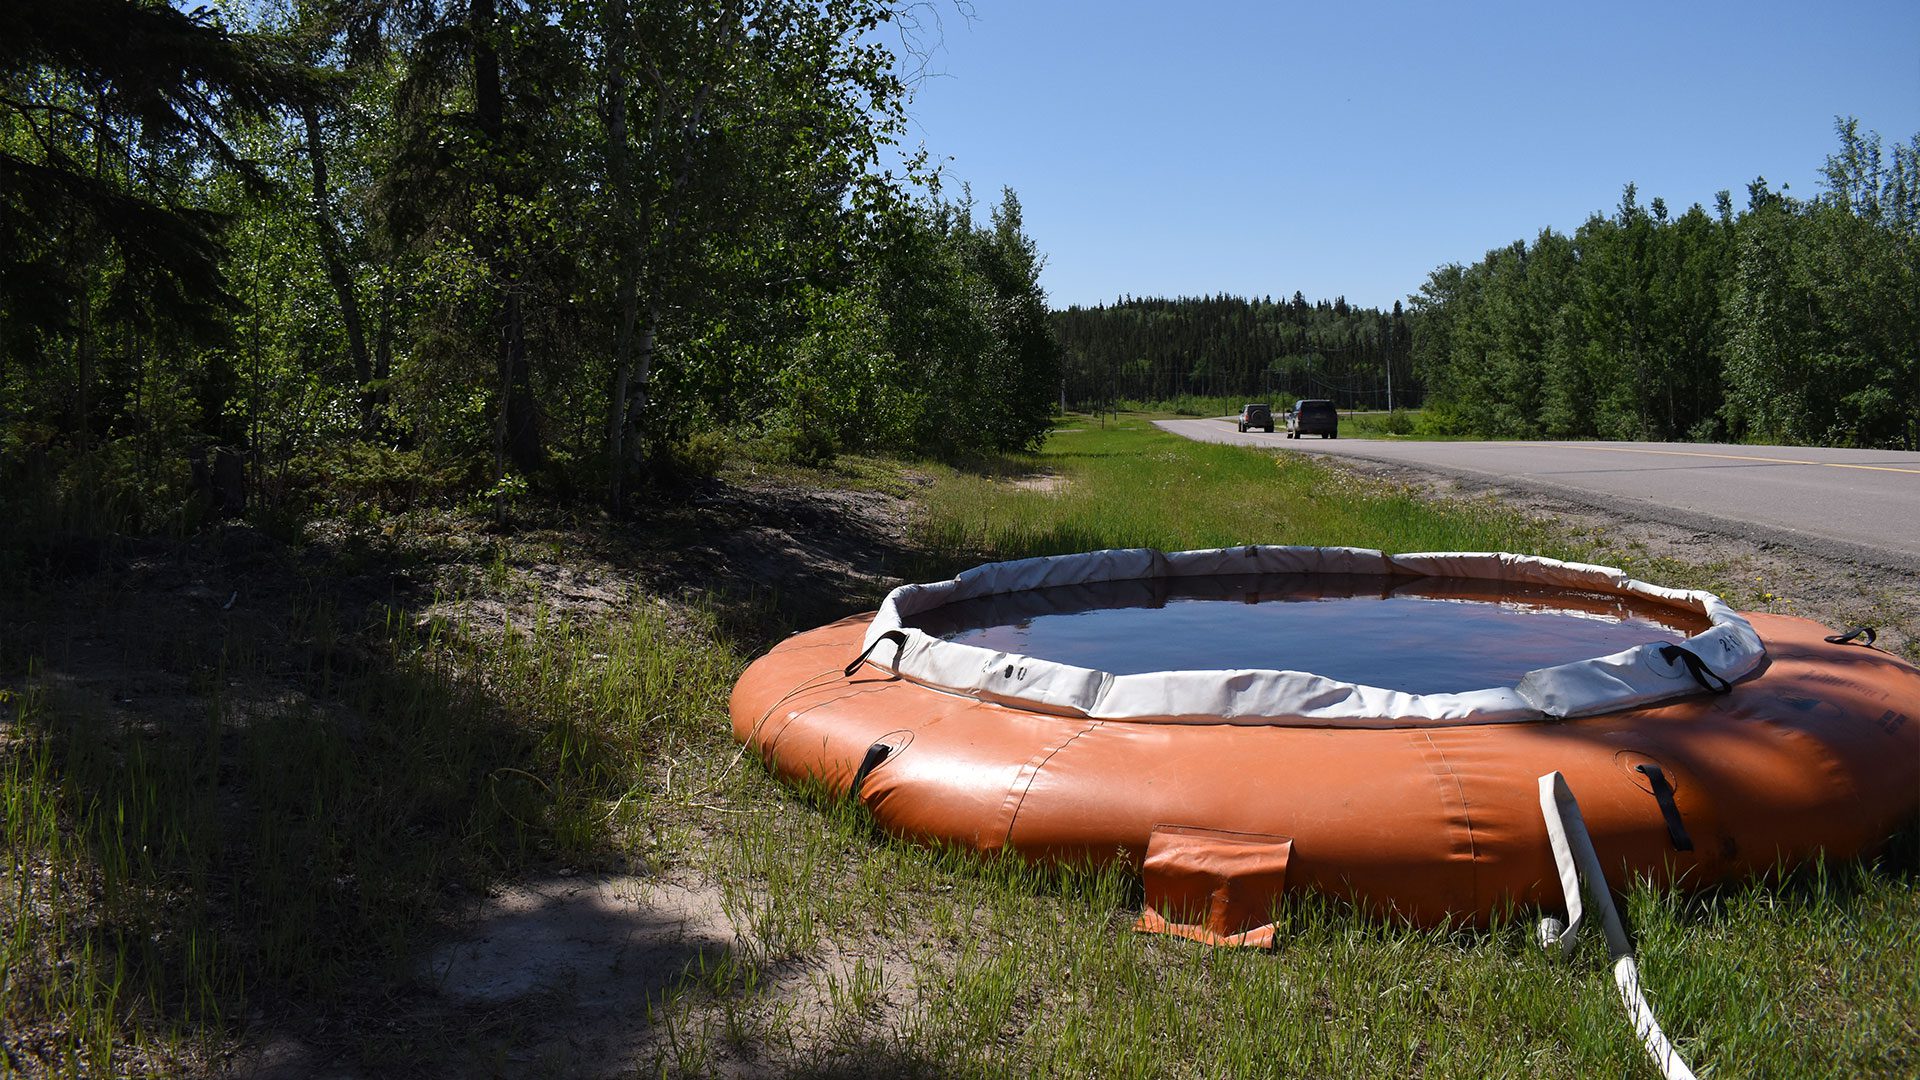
(344,478)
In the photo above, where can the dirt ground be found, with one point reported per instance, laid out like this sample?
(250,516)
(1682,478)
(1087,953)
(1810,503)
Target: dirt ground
(555,974)
(551,975)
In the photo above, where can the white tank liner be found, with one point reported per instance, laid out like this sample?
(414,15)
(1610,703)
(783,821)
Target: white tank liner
(1629,679)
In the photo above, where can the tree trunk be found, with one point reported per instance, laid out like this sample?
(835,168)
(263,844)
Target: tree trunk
(638,395)
(617,400)
(486,73)
(383,352)
(84,354)
(627,448)
(86,342)
(520,413)
(515,433)
(510,427)
(337,273)
(628,290)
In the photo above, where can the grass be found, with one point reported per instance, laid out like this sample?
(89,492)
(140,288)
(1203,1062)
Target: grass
(161,877)
(1129,487)
(1121,484)
(171,890)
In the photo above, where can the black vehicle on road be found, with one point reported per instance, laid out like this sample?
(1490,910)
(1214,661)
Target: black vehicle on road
(1256,416)
(1312,416)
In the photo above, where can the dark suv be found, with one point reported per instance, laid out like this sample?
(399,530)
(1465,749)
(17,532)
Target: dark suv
(1256,416)
(1313,416)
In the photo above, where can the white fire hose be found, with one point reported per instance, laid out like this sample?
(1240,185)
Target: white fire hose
(1573,853)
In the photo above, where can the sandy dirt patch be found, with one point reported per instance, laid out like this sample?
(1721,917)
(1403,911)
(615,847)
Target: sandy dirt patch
(561,975)
(1046,483)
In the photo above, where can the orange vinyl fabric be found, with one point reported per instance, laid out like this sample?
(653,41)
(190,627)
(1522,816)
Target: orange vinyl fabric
(1213,886)
(1818,752)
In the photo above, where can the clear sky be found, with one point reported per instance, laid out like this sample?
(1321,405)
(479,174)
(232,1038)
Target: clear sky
(1349,148)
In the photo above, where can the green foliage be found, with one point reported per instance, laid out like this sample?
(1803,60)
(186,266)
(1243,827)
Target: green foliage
(800,443)
(110,112)
(1792,321)
(555,241)
(1825,306)
(1152,350)
(1440,421)
(1398,422)
(1184,405)
(340,478)
(943,349)
(702,454)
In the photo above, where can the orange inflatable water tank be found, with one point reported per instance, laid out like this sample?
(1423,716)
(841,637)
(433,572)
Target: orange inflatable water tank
(1749,742)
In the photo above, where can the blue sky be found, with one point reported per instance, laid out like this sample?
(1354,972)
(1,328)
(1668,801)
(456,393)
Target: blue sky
(1350,148)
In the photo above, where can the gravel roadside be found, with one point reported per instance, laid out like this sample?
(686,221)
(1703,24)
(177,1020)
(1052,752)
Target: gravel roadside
(1752,573)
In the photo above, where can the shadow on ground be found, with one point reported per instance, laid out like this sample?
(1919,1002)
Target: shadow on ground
(278,801)
(770,558)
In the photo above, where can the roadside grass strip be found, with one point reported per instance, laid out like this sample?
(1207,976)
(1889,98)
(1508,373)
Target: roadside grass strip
(1126,485)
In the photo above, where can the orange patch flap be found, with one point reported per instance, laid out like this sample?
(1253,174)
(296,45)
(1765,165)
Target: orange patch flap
(1212,885)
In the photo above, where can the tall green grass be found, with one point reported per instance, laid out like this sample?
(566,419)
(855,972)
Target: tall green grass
(1123,483)
(162,873)
(1807,977)
(995,967)
(1126,485)
(161,883)
(1006,968)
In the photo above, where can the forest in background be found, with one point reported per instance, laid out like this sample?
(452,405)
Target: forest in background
(1791,321)
(280,256)
(1152,349)
(481,246)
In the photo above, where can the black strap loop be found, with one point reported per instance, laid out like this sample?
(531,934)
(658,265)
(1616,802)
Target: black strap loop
(899,639)
(1869,633)
(876,754)
(1663,791)
(1702,674)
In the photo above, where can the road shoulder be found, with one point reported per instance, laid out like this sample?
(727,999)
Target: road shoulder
(1833,582)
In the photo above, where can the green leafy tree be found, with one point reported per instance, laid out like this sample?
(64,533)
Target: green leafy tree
(1793,320)
(116,121)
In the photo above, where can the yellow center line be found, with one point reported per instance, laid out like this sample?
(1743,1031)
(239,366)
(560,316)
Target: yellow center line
(1743,457)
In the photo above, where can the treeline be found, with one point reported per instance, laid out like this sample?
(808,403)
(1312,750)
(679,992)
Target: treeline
(1789,321)
(1160,350)
(547,243)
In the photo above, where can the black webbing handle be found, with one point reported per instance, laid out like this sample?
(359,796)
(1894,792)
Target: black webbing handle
(1702,674)
(876,754)
(1663,792)
(1855,634)
(899,639)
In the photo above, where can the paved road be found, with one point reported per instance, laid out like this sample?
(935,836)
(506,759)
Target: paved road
(1857,504)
